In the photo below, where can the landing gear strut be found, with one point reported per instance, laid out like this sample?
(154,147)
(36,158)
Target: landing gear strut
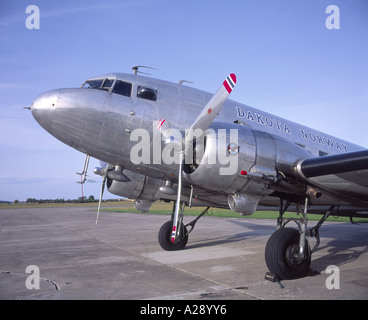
(288,253)
(181,239)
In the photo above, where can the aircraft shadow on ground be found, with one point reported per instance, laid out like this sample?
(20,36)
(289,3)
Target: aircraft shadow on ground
(253,230)
(340,249)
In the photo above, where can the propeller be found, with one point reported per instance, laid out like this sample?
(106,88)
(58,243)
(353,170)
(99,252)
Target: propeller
(103,172)
(203,121)
(108,171)
(101,195)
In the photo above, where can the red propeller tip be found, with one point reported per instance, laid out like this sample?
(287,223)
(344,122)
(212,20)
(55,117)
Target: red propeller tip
(233,77)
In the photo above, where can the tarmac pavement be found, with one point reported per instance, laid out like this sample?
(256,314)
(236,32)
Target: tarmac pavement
(62,252)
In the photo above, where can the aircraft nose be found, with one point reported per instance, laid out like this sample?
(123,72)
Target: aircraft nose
(43,106)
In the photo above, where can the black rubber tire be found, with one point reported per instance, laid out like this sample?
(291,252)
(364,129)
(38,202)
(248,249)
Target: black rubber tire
(279,255)
(164,237)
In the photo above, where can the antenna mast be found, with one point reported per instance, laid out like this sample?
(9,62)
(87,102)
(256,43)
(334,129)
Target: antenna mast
(136,69)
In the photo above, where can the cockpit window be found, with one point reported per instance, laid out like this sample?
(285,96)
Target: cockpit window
(107,84)
(123,88)
(147,93)
(103,84)
(120,87)
(93,84)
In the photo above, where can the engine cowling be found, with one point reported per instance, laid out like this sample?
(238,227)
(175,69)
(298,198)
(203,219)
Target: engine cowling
(143,189)
(241,162)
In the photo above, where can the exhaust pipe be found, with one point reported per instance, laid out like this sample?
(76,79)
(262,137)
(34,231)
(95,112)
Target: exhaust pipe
(244,204)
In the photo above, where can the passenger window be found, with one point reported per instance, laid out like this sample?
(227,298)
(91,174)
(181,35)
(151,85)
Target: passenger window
(147,93)
(122,88)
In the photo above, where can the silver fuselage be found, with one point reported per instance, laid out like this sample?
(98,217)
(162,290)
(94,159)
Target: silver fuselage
(100,123)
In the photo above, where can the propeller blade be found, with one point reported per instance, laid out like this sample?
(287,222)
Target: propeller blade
(209,112)
(202,122)
(215,104)
(177,207)
(101,194)
(169,134)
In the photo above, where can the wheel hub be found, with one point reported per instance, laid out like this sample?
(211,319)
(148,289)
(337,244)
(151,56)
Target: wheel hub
(292,255)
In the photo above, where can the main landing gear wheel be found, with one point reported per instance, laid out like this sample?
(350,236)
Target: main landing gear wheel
(282,256)
(164,237)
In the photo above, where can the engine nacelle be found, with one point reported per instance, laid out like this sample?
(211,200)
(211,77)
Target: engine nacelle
(143,189)
(139,187)
(230,152)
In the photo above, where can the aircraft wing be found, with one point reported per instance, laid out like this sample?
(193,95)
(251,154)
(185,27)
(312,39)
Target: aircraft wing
(344,175)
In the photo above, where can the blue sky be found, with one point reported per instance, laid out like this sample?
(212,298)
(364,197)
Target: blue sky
(286,61)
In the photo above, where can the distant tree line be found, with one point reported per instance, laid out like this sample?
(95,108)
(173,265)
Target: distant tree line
(79,200)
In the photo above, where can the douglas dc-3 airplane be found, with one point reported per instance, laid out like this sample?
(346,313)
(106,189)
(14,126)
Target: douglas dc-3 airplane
(168,141)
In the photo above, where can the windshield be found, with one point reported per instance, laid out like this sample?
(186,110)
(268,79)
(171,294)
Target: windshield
(107,84)
(103,84)
(93,84)
(121,87)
